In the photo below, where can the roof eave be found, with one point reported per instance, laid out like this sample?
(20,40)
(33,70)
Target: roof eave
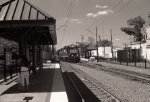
(24,23)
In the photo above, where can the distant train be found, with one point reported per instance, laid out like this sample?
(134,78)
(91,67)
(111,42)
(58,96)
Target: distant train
(69,54)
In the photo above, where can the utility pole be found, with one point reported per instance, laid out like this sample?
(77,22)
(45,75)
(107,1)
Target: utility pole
(82,38)
(140,49)
(99,38)
(96,41)
(96,44)
(111,43)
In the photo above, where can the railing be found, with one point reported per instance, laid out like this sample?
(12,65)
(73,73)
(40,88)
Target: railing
(7,71)
(143,63)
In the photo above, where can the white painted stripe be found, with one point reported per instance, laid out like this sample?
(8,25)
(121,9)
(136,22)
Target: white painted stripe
(58,93)
(57,65)
(58,97)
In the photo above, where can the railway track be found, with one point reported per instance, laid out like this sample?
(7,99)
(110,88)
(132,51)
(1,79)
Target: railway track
(128,74)
(102,94)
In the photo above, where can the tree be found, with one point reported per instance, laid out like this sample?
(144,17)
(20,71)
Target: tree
(90,40)
(105,42)
(136,25)
(4,43)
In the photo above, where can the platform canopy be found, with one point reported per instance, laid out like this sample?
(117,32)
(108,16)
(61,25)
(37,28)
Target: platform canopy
(23,17)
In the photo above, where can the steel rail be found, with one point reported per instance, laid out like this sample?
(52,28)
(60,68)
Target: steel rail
(74,85)
(87,77)
(130,74)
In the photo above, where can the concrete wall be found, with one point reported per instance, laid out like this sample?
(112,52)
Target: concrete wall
(101,51)
(94,53)
(143,48)
(148,53)
(105,52)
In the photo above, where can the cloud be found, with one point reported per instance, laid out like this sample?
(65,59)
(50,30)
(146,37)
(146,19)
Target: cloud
(75,20)
(98,6)
(90,14)
(102,13)
(109,10)
(79,22)
(105,6)
(117,39)
(105,12)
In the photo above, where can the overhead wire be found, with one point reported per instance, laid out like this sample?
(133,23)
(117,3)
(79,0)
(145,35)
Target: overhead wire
(66,23)
(115,13)
(68,18)
(112,14)
(103,16)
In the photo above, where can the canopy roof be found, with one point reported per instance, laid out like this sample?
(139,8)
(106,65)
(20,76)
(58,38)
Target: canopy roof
(22,16)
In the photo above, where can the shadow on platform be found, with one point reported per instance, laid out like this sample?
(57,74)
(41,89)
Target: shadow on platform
(88,95)
(41,82)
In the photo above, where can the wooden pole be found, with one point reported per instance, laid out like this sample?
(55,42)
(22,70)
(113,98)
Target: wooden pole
(96,44)
(111,43)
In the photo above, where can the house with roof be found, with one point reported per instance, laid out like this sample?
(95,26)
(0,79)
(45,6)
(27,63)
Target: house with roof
(106,52)
(88,52)
(143,46)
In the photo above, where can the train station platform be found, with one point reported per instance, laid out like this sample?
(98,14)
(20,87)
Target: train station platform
(46,86)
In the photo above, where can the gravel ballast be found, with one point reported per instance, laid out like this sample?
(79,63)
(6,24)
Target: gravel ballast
(125,89)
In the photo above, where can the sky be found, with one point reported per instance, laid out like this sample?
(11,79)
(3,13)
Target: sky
(89,14)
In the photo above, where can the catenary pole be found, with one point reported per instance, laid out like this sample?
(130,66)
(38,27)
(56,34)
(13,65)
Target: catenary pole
(96,44)
(111,43)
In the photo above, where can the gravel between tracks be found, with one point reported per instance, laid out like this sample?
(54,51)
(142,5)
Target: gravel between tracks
(124,89)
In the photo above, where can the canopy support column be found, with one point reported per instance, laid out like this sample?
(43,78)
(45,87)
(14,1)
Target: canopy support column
(33,58)
(21,44)
(40,59)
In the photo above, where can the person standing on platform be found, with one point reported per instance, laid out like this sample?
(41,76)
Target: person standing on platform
(24,69)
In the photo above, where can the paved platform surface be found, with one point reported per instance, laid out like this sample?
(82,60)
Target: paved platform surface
(46,86)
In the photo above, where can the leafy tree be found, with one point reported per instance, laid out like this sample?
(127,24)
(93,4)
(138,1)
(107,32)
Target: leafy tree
(4,43)
(90,40)
(81,47)
(136,25)
(104,42)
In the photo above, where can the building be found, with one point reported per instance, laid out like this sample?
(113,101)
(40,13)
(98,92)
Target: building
(142,46)
(89,51)
(115,49)
(102,52)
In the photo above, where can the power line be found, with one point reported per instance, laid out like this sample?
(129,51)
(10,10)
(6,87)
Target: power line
(115,12)
(68,18)
(103,16)
(69,13)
